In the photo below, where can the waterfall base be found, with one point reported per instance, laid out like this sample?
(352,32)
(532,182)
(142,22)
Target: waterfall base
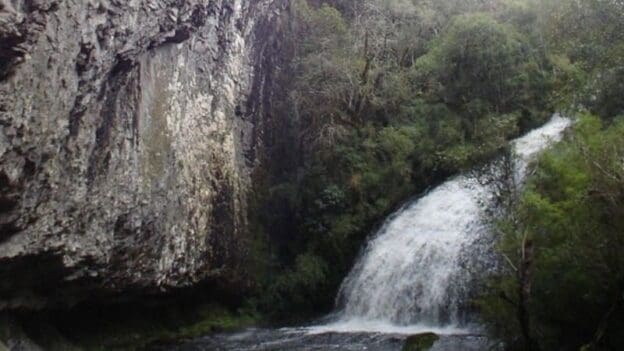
(306,339)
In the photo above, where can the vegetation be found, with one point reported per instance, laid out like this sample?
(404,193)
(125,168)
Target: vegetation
(571,216)
(420,342)
(561,238)
(380,100)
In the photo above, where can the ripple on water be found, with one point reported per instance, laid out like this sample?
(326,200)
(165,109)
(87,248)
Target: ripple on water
(310,339)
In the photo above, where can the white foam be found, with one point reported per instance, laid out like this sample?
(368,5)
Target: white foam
(380,327)
(411,278)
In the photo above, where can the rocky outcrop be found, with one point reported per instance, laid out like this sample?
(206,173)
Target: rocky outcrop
(128,134)
(420,342)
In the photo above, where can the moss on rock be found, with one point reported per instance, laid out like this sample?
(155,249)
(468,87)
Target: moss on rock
(420,342)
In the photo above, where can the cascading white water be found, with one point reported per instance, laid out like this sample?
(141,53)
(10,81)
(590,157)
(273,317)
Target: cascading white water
(413,274)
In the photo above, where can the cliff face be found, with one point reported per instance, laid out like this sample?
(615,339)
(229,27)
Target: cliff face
(128,133)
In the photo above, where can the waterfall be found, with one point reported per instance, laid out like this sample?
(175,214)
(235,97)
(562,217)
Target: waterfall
(414,273)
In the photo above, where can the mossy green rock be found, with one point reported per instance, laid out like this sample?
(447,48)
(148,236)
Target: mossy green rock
(3,347)
(420,342)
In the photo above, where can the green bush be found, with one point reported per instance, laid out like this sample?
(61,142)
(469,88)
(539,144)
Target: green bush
(573,211)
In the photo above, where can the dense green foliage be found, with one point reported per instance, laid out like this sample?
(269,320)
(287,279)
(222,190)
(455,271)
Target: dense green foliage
(380,101)
(570,214)
(590,35)
(573,212)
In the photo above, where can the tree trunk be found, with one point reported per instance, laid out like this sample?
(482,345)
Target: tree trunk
(525,277)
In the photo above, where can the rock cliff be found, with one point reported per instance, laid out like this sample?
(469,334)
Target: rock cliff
(128,133)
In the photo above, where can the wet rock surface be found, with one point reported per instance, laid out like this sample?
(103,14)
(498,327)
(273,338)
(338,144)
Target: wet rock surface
(420,342)
(126,146)
(300,340)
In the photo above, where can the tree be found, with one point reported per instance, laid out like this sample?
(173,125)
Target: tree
(566,230)
(477,59)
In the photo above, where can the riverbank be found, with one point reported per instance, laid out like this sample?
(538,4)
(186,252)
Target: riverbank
(122,326)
